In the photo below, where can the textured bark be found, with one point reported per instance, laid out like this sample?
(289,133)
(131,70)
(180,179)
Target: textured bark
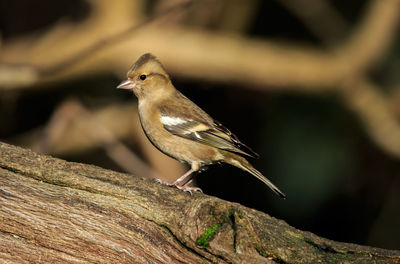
(53,211)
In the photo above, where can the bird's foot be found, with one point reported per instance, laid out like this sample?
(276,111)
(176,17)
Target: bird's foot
(178,184)
(189,189)
(164,182)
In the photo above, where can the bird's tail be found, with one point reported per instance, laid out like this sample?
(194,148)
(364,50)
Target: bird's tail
(243,164)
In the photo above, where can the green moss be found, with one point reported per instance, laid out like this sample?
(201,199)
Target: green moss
(341,251)
(204,240)
(166,229)
(231,212)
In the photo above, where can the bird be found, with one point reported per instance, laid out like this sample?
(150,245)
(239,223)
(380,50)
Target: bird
(181,129)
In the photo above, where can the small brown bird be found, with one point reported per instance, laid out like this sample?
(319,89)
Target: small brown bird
(181,129)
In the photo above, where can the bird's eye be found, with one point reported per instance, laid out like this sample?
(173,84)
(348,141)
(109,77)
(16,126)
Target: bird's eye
(142,77)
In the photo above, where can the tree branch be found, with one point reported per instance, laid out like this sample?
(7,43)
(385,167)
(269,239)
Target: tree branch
(57,211)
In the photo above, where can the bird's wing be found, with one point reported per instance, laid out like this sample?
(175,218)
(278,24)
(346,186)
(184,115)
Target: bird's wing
(194,124)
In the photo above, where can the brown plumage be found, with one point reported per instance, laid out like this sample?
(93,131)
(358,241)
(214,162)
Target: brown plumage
(181,129)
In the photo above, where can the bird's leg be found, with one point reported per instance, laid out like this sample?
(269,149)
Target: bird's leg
(185,178)
(183,182)
(178,182)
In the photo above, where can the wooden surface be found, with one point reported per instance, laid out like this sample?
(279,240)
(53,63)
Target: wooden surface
(53,211)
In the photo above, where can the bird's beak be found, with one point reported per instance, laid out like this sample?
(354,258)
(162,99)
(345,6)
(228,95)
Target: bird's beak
(127,84)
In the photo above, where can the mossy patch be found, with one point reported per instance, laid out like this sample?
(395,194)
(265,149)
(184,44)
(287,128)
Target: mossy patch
(204,240)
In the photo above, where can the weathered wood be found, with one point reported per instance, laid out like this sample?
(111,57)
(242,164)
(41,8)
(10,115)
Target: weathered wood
(54,211)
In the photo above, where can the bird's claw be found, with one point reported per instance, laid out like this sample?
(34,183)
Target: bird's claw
(164,182)
(189,189)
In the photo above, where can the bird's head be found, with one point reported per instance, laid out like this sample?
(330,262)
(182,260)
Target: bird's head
(146,77)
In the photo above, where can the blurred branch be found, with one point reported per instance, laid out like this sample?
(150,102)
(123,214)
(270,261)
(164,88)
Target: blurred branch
(90,128)
(364,98)
(212,54)
(374,109)
(73,128)
(70,134)
(371,39)
(66,45)
(320,17)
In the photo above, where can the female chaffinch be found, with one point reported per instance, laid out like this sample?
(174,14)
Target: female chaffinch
(181,129)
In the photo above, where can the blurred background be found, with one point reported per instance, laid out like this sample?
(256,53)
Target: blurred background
(313,86)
